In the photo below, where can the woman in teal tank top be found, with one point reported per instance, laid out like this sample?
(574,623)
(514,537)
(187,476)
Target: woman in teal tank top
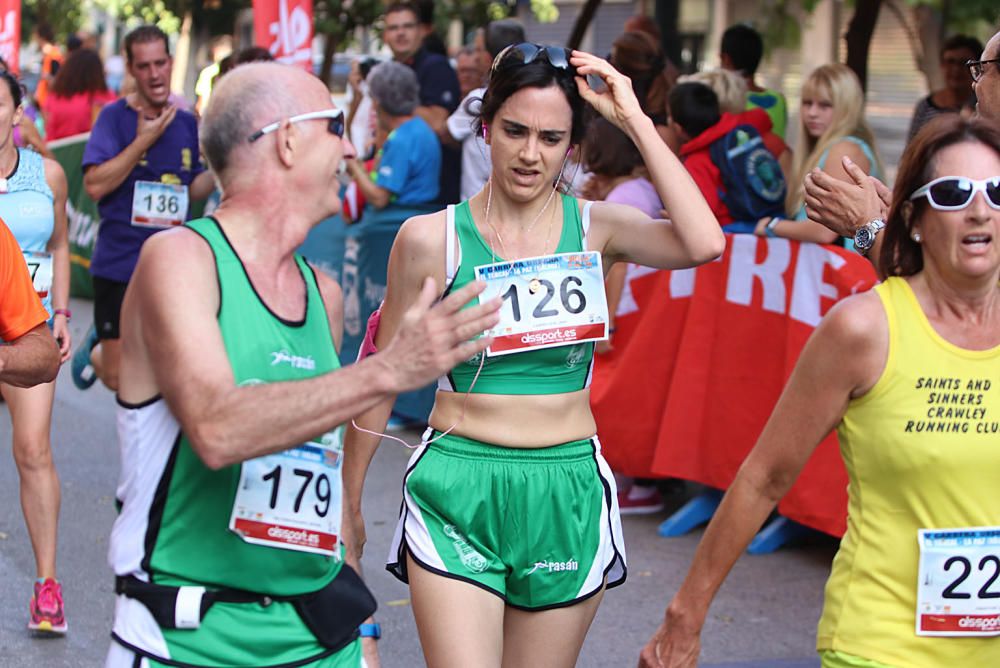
(33,205)
(832,126)
(509,508)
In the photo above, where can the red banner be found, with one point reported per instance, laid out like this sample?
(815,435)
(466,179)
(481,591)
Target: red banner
(285,27)
(701,356)
(10,33)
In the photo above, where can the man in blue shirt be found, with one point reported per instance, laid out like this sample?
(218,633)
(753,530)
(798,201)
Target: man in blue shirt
(142,167)
(439,89)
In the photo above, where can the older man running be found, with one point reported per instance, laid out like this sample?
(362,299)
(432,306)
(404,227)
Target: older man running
(229,549)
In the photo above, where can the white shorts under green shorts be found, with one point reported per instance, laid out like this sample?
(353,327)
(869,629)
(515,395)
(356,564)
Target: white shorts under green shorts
(538,527)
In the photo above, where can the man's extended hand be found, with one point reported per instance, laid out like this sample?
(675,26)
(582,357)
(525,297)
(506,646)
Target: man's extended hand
(432,339)
(844,207)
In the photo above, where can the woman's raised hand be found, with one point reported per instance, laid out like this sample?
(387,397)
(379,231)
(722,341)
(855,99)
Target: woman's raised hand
(617,102)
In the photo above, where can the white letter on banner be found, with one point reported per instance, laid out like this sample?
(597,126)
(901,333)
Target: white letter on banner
(626,302)
(682,283)
(809,288)
(743,269)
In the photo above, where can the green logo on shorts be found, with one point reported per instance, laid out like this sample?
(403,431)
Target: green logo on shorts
(469,557)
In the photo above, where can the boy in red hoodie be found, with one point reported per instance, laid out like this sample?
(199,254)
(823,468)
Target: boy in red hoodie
(706,136)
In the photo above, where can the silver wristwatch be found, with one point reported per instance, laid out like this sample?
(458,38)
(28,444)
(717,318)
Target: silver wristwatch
(864,236)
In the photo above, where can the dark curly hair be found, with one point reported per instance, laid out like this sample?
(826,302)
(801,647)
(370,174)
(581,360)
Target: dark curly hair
(539,73)
(83,72)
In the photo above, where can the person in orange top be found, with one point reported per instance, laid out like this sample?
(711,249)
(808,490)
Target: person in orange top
(52,59)
(31,356)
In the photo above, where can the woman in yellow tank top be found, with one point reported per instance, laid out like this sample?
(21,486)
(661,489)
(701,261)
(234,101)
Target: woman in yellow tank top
(909,374)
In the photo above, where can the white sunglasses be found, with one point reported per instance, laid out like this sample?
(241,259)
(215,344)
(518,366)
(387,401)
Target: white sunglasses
(951,193)
(335,126)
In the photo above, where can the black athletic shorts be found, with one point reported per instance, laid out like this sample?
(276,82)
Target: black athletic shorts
(108,296)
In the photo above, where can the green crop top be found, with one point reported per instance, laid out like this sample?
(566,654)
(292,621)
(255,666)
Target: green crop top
(547,371)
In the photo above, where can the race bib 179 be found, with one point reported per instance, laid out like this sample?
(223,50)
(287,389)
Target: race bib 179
(292,499)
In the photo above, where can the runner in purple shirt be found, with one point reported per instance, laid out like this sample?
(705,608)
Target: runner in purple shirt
(172,159)
(143,169)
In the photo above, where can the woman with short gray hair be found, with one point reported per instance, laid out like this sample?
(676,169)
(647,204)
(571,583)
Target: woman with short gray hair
(401,181)
(395,87)
(407,167)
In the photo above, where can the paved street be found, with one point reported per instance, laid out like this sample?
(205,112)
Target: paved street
(765,615)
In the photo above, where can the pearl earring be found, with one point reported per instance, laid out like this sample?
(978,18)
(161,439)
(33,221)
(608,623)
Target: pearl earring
(916,237)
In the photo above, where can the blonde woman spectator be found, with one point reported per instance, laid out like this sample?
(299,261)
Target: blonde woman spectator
(831,126)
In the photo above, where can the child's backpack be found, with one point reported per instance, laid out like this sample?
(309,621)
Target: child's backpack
(753,185)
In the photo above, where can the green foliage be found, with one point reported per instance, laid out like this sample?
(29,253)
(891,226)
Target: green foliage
(545,11)
(65,17)
(964,15)
(780,22)
(337,19)
(163,13)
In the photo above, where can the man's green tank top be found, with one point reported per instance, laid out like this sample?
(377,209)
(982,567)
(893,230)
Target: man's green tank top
(546,371)
(194,543)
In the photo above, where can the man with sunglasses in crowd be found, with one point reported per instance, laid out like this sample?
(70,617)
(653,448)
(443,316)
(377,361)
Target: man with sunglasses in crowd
(229,549)
(858,209)
(142,167)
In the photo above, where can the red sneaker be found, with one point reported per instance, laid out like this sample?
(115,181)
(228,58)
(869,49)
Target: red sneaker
(640,500)
(47,608)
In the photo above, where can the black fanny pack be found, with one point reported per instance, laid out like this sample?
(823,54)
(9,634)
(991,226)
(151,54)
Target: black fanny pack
(332,613)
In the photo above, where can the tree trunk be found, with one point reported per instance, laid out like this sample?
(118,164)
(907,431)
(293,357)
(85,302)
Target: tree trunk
(859,37)
(182,56)
(930,30)
(667,14)
(329,49)
(583,20)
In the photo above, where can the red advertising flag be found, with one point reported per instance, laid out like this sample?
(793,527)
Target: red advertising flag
(285,28)
(10,32)
(708,352)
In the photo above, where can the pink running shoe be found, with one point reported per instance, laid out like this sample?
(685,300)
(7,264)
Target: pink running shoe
(47,608)
(640,500)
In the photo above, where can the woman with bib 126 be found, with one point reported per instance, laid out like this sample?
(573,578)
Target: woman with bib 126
(509,531)
(33,205)
(909,374)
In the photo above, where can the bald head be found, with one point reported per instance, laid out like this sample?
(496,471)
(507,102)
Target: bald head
(248,98)
(988,87)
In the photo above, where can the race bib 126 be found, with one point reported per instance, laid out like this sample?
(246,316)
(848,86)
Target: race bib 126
(548,301)
(958,590)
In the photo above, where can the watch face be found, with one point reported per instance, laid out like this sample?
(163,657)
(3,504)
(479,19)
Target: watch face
(863,238)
